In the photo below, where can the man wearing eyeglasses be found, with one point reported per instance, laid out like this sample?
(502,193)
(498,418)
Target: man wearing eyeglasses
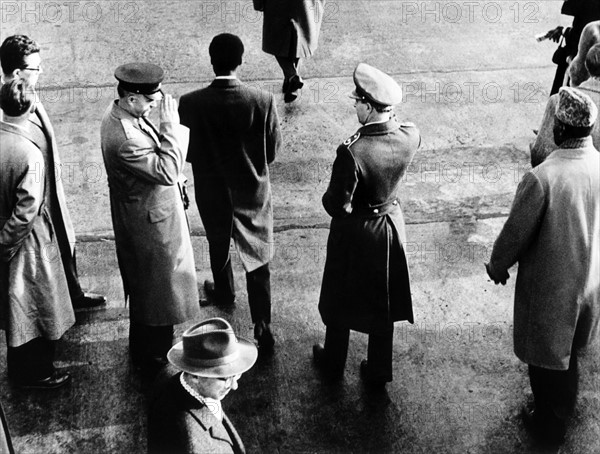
(144,165)
(20,58)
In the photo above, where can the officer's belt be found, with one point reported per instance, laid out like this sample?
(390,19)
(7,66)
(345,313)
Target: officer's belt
(375,211)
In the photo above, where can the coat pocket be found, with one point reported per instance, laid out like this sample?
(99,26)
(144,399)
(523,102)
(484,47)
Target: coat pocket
(162,211)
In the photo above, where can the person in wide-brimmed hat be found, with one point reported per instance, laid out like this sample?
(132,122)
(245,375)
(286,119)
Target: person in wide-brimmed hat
(185,415)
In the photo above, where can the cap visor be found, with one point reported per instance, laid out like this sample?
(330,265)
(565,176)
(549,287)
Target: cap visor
(354,95)
(157,95)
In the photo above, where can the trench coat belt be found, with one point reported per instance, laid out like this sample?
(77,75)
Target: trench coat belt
(375,211)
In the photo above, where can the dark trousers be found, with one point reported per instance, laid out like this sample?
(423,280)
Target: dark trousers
(559,77)
(554,391)
(69,262)
(258,282)
(379,354)
(31,361)
(289,66)
(148,343)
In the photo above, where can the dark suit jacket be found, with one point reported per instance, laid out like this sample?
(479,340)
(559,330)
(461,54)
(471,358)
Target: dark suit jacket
(234,135)
(179,424)
(366,282)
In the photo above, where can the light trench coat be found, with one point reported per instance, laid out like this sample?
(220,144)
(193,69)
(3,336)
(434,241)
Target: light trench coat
(553,232)
(34,297)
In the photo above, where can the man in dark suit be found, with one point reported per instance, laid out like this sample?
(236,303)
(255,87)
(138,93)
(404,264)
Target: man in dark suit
(20,58)
(234,136)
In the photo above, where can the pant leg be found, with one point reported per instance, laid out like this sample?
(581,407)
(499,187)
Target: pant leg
(379,355)
(559,77)
(147,343)
(554,392)
(258,284)
(336,348)
(70,266)
(31,361)
(220,264)
(289,66)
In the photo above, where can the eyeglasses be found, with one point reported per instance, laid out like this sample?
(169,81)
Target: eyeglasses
(38,69)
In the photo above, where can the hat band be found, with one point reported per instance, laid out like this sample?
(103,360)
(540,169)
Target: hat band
(199,362)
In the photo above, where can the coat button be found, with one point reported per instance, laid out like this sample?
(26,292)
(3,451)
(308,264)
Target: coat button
(376,210)
(395,202)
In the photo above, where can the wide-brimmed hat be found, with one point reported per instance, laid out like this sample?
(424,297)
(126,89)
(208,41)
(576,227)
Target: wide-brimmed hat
(211,349)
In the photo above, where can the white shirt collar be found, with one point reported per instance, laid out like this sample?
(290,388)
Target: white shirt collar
(226,77)
(213,405)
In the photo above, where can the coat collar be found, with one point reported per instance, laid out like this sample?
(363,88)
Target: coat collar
(17,130)
(592,84)
(574,149)
(204,416)
(380,128)
(225,83)
(121,114)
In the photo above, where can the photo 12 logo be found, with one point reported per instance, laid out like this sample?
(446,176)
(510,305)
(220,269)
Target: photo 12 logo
(461,12)
(70,12)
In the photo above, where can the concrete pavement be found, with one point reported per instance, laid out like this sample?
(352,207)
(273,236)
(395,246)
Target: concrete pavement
(475,83)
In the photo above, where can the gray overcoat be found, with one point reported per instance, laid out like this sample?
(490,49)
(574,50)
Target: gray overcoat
(553,232)
(34,300)
(151,231)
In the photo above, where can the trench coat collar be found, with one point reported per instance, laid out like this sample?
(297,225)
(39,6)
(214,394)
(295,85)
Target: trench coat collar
(379,128)
(574,149)
(121,114)
(225,83)
(14,129)
(592,84)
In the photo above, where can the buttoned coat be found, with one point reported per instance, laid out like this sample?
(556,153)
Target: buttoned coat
(151,231)
(291,28)
(544,142)
(553,232)
(179,424)
(234,136)
(366,284)
(34,300)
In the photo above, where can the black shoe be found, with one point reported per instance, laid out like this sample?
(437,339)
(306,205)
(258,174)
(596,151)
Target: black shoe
(296,83)
(263,336)
(150,367)
(550,431)
(319,355)
(54,381)
(213,297)
(364,373)
(88,300)
(320,359)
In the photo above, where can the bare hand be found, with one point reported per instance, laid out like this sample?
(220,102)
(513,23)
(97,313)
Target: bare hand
(498,279)
(168,110)
(555,34)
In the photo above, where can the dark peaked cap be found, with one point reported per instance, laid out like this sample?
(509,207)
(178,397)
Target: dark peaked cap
(140,78)
(375,86)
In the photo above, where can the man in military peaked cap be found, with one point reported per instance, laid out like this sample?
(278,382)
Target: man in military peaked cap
(553,231)
(366,283)
(144,165)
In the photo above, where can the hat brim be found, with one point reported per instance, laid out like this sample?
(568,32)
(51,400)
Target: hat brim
(355,95)
(245,360)
(156,96)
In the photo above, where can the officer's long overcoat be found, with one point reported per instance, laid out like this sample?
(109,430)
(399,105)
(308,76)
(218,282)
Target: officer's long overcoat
(553,232)
(151,231)
(291,27)
(34,297)
(366,281)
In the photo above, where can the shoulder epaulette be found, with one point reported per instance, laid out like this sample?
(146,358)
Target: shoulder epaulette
(128,128)
(350,140)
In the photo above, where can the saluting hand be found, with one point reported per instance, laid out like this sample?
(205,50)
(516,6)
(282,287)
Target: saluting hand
(168,110)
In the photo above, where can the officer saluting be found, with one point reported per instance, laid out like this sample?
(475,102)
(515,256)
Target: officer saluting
(366,282)
(144,168)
